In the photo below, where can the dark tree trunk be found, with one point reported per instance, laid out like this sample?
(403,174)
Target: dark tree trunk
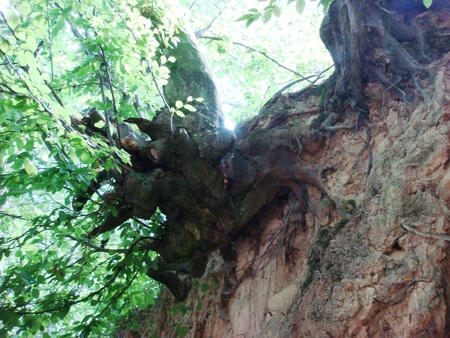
(211,184)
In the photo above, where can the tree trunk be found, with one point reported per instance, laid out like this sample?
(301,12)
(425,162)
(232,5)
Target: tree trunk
(330,207)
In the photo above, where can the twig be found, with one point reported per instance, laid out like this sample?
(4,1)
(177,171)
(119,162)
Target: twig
(192,5)
(260,52)
(50,54)
(199,33)
(149,67)
(7,24)
(95,247)
(2,213)
(108,77)
(57,98)
(66,126)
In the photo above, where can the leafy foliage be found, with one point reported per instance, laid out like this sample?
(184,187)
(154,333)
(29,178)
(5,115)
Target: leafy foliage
(272,9)
(250,65)
(64,61)
(61,60)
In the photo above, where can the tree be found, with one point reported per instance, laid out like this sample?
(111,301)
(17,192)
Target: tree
(183,186)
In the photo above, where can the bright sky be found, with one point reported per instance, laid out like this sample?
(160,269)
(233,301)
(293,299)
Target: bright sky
(4,6)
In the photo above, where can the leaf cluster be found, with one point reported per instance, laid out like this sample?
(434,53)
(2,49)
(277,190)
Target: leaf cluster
(61,62)
(272,9)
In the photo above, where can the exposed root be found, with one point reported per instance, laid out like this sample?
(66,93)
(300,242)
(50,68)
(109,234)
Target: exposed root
(410,228)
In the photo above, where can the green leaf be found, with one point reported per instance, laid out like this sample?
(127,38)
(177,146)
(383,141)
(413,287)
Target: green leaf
(30,168)
(100,124)
(12,19)
(180,113)
(85,157)
(63,312)
(249,22)
(276,11)
(427,3)
(62,216)
(253,10)
(267,15)
(300,6)
(190,108)
(59,25)
(24,8)
(245,17)
(35,293)
(109,164)
(178,104)
(114,211)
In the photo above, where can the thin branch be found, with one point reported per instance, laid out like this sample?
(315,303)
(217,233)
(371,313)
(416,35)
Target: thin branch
(7,24)
(201,32)
(108,77)
(66,126)
(260,52)
(95,247)
(49,36)
(149,68)
(2,213)
(192,5)
(318,77)
(58,99)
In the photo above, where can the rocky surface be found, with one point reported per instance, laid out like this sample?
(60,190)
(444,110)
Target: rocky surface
(371,262)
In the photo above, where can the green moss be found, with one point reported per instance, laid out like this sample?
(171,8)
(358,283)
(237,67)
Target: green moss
(317,252)
(349,206)
(341,224)
(323,95)
(324,233)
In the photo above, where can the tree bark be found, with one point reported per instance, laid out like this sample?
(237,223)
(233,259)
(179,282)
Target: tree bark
(210,184)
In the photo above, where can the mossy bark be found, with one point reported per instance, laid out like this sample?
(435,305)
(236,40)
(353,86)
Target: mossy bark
(210,183)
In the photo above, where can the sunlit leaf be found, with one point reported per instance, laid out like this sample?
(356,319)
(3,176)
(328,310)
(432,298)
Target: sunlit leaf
(245,17)
(12,18)
(249,22)
(276,11)
(427,3)
(266,16)
(58,26)
(108,164)
(30,168)
(300,6)
(24,8)
(189,107)
(179,113)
